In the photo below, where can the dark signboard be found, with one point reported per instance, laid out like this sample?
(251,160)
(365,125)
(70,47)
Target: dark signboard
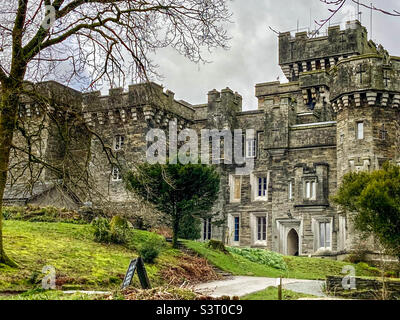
(136,264)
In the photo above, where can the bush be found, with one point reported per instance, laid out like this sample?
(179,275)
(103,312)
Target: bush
(119,229)
(150,250)
(268,258)
(217,245)
(101,230)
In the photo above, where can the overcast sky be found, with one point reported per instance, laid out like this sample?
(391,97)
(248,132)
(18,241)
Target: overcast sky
(253,54)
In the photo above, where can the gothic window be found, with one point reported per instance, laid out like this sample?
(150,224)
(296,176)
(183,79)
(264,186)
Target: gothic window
(207,229)
(310,190)
(261,228)
(251,148)
(116,174)
(325,235)
(318,64)
(118,142)
(309,66)
(360,130)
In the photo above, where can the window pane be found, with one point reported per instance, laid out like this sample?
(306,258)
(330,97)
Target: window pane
(236,229)
(328,235)
(259,187)
(322,235)
(264,228)
(360,130)
(308,191)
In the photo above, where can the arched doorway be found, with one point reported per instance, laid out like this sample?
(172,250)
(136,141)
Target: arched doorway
(293,243)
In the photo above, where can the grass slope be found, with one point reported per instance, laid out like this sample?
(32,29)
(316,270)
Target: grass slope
(298,267)
(70,248)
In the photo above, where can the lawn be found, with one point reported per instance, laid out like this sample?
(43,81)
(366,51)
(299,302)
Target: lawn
(297,267)
(271,293)
(80,263)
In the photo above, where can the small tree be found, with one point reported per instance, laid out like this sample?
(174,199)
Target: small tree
(176,190)
(374,197)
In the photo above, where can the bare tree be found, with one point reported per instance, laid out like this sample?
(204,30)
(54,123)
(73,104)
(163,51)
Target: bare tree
(337,5)
(90,42)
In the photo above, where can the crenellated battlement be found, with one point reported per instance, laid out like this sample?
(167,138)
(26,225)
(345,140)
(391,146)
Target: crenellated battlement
(302,53)
(370,79)
(146,102)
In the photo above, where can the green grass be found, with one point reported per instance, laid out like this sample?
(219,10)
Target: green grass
(70,249)
(271,293)
(298,267)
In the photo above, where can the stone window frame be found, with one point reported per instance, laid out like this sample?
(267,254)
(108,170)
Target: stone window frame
(232,178)
(118,143)
(116,175)
(254,228)
(231,228)
(254,182)
(316,221)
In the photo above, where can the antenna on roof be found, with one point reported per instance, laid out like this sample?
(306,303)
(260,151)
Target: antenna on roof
(372,12)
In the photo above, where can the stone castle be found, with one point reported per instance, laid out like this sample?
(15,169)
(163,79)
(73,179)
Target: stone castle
(338,112)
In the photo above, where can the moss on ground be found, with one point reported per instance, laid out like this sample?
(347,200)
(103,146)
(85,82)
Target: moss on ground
(78,260)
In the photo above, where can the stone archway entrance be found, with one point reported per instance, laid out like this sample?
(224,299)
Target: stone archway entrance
(293,243)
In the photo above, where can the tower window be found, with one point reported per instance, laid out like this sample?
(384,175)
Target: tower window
(116,174)
(360,130)
(118,142)
(383,133)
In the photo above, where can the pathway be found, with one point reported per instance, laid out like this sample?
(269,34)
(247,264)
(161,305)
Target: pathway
(241,286)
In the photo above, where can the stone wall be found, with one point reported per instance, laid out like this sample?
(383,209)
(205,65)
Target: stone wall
(365,288)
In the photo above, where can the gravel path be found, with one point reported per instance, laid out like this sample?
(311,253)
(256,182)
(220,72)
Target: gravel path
(241,286)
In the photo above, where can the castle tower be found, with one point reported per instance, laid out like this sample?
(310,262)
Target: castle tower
(365,96)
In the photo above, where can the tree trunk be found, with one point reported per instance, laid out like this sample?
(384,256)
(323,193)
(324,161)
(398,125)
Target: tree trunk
(8,118)
(175,233)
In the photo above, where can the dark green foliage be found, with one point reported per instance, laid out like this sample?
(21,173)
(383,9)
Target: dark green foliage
(101,230)
(151,249)
(189,228)
(217,245)
(176,190)
(374,198)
